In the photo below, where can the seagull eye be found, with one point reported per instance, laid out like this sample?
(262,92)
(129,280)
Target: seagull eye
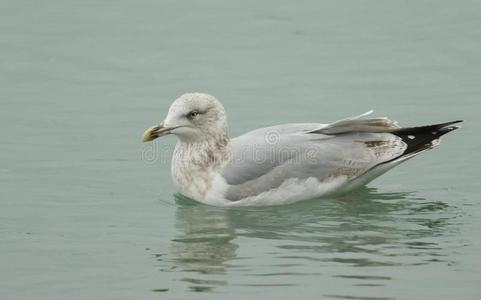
(193,114)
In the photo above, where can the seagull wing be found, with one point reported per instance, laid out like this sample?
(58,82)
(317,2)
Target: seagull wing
(265,158)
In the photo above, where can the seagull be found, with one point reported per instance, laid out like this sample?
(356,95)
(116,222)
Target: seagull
(284,163)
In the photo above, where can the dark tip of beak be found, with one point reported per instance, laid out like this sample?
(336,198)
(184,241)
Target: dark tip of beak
(156,131)
(152,133)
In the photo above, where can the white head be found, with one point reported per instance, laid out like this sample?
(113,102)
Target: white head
(192,117)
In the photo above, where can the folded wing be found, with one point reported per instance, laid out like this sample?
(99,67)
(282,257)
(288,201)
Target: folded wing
(265,158)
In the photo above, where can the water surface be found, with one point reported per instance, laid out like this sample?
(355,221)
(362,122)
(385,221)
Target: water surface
(87,211)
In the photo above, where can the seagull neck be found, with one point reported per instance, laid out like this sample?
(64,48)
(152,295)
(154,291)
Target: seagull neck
(194,164)
(209,153)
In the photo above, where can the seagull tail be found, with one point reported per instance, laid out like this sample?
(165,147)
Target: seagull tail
(423,138)
(417,139)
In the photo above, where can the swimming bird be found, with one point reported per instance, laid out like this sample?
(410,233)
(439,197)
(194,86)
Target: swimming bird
(283,163)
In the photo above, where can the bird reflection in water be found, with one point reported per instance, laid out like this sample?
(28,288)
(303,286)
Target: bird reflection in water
(204,245)
(364,229)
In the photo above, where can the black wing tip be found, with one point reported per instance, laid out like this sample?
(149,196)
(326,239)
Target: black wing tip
(433,127)
(424,137)
(454,122)
(446,127)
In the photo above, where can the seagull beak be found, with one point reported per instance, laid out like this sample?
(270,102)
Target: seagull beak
(156,131)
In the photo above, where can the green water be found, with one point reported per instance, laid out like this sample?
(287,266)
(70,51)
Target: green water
(88,212)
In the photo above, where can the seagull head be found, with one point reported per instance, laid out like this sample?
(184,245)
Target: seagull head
(192,117)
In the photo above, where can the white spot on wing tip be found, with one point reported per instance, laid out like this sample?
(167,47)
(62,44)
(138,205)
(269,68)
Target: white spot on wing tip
(411,137)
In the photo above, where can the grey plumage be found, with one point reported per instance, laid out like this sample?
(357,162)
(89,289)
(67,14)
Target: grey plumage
(300,152)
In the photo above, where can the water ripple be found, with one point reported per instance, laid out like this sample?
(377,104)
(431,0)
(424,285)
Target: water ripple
(364,230)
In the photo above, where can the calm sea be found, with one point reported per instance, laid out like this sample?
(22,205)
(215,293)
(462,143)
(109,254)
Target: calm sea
(88,212)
